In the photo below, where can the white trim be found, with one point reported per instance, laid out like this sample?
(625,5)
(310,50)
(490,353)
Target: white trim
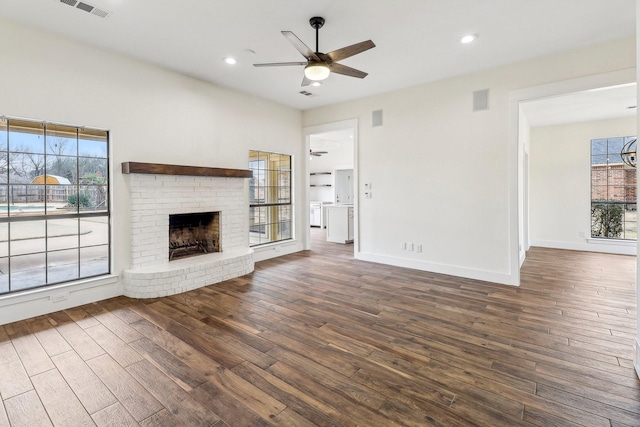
(276,249)
(451,270)
(36,302)
(614,242)
(636,361)
(590,245)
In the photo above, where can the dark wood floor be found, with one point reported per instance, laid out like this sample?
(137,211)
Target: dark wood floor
(317,338)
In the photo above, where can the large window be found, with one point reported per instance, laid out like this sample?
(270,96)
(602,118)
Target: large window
(270,217)
(613,191)
(54,211)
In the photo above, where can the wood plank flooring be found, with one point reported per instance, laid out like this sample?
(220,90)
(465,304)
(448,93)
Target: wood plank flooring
(320,339)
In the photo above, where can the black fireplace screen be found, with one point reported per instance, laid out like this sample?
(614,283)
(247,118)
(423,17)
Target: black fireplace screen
(193,234)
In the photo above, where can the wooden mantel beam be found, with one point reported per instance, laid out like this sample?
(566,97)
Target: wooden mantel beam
(162,169)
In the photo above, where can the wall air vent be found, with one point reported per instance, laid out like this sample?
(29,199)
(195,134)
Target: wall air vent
(376,118)
(87,8)
(481,100)
(99,12)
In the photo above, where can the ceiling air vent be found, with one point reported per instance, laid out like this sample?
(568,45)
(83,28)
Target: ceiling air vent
(305,93)
(87,8)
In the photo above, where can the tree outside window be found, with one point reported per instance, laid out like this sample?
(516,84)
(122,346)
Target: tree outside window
(613,191)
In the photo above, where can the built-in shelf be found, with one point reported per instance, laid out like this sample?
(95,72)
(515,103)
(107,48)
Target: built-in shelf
(162,169)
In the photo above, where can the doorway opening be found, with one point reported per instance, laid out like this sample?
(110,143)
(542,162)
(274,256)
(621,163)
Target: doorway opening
(332,187)
(520,200)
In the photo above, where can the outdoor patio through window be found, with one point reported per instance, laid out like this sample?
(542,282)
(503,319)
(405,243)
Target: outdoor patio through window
(54,208)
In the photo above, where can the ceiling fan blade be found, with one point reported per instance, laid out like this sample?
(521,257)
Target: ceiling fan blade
(347,71)
(279,64)
(300,46)
(305,81)
(354,49)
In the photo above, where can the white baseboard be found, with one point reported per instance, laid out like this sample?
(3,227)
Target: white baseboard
(452,270)
(261,253)
(605,247)
(36,302)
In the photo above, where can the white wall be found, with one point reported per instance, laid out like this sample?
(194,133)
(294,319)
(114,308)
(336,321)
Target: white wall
(560,183)
(154,115)
(441,173)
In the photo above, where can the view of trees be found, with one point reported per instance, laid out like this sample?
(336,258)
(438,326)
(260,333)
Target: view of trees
(76,170)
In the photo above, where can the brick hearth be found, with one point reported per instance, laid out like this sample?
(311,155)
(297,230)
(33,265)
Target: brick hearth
(156,196)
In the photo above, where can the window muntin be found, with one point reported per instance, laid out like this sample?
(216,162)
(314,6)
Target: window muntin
(54,211)
(270,213)
(613,191)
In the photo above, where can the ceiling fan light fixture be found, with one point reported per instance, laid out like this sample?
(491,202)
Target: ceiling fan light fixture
(317,71)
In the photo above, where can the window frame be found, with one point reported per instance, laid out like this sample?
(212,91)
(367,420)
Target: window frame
(614,183)
(269,199)
(93,183)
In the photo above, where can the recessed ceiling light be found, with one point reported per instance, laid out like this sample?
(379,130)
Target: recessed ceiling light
(468,38)
(316,84)
(230,60)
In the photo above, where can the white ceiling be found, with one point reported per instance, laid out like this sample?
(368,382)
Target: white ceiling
(588,105)
(416,40)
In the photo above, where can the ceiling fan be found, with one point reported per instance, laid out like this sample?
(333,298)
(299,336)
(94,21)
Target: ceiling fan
(319,65)
(317,153)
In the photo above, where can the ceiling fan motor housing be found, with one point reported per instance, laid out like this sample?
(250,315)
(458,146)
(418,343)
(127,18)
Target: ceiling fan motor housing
(316,22)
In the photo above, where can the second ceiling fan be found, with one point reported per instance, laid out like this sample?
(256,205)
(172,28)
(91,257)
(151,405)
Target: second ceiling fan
(319,65)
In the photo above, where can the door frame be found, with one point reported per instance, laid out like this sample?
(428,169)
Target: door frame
(351,124)
(516,162)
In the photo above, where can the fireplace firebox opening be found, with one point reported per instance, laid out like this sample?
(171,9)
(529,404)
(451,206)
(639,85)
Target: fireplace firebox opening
(193,234)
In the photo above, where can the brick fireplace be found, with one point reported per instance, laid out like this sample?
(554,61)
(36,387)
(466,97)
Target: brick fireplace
(209,195)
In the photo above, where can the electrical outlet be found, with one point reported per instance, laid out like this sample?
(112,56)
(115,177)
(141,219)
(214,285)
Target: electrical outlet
(60,297)
(418,248)
(403,246)
(368,194)
(582,234)
(410,246)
